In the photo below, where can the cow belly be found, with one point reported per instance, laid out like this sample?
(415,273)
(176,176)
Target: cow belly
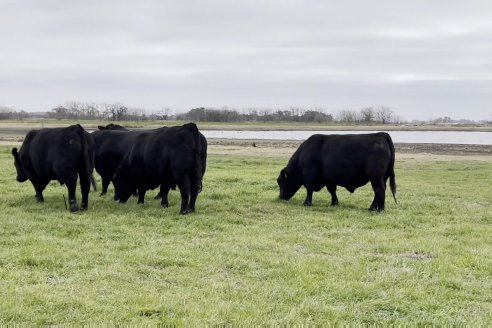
(348,181)
(351,186)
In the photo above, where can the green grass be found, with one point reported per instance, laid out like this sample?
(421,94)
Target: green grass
(246,257)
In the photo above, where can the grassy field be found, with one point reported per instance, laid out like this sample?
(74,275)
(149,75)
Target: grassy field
(246,257)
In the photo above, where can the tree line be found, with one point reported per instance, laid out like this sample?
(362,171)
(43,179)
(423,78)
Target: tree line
(111,112)
(120,112)
(7,113)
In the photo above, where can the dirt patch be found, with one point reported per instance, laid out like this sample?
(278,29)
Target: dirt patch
(444,149)
(420,256)
(10,142)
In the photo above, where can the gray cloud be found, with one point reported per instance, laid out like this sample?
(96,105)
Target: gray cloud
(423,59)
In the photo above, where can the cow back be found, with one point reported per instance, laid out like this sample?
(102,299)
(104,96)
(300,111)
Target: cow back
(47,152)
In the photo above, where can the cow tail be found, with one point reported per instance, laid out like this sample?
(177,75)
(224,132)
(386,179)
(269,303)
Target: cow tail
(391,167)
(198,151)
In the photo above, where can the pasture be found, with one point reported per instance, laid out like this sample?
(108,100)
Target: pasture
(247,258)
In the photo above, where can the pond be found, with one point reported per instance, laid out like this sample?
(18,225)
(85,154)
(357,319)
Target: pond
(445,137)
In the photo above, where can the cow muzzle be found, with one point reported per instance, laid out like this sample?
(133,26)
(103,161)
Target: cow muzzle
(21,178)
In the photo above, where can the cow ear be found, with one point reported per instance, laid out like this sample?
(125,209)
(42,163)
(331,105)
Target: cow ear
(284,173)
(14,153)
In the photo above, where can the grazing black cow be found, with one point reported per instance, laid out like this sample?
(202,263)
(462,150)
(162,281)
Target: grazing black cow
(57,154)
(111,143)
(348,161)
(166,157)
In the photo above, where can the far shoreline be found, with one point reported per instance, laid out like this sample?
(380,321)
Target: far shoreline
(249,126)
(12,133)
(250,147)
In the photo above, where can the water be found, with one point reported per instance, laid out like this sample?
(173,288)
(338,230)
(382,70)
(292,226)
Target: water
(444,137)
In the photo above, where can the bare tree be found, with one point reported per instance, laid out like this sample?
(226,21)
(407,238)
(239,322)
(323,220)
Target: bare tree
(367,114)
(384,114)
(116,112)
(347,115)
(59,112)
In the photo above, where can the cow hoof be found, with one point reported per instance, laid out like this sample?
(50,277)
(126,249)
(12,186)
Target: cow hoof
(165,205)
(74,208)
(39,199)
(376,209)
(307,203)
(83,207)
(184,212)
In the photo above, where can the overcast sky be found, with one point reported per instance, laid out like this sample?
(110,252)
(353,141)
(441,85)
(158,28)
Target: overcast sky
(423,59)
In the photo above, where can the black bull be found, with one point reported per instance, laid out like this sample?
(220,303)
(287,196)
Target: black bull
(111,143)
(166,157)
(60,154)
(349,161)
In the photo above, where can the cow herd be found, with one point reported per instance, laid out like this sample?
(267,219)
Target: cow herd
(170,157)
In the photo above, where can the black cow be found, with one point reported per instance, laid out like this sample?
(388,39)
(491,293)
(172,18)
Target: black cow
(166,156)
(111,143)
(348,161)
(59,154)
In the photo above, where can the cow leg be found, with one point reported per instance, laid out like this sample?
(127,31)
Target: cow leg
(105,184)
(141,195)
(193,196)
(71,182)
(379,188)
(309,198)
(163,192)
(159,195)
(85,187)
(311,180)
(332,189)
(39,187)
(183,182)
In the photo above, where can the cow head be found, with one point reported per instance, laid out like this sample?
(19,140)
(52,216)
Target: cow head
(124,185)
(21,174)
(288,183)
(112,126)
